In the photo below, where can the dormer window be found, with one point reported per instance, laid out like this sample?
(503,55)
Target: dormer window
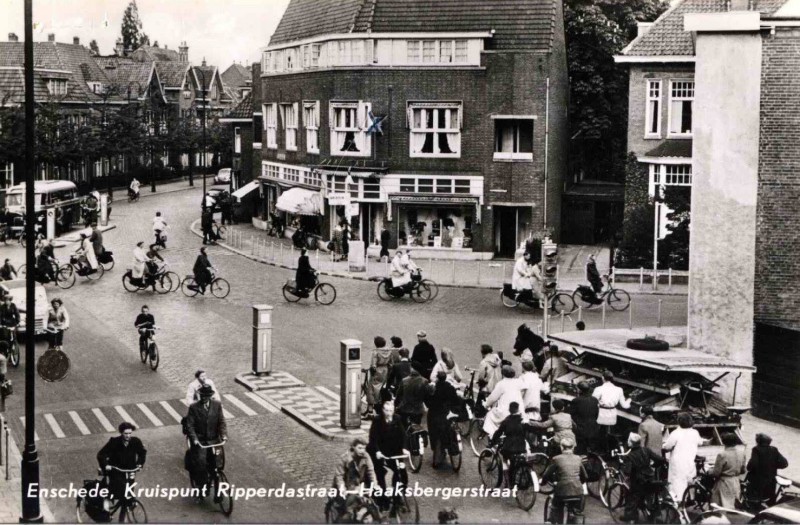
(95,87)
(57,86)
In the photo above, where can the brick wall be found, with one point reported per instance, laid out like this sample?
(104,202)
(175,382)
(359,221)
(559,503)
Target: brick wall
(778,227)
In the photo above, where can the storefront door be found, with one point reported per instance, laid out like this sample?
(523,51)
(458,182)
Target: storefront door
(505,226)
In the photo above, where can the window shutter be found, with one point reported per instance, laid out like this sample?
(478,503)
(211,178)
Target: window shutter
(317,115)
(369,51)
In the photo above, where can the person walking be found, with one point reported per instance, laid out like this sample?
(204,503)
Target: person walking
(206,225)
(728,470)
(532,388)
(765,461)
(682,444)
(380,362)
(345,240)
(57,323)
(385,236)
(423,358)
(399,371)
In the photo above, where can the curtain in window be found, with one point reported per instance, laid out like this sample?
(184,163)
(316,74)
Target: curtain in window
(417,142)
(453,142)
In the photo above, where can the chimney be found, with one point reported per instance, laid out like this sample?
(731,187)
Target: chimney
(76,40)
(183,52)
(119,48)
(204,62)
(740,5)
(642,28)
(12,37)
(51,37)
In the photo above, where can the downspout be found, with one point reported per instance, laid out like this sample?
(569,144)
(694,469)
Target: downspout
(546,145)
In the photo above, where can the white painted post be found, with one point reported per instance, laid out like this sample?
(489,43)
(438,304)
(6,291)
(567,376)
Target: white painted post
(630,316)
(580,313)
(669,282)
(479,272)
(603,308)
(454,272)
(641,277)
(262,339)
(281,262)
(430,268)
(659,313)
(503,277)
(562,321)
(613,278)
(252,245)
(316,259)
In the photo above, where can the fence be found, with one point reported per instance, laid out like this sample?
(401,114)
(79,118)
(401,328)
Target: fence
(557,323)
(653,274)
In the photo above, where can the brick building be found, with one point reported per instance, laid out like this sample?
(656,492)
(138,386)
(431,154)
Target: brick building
(731,133)
(443,121)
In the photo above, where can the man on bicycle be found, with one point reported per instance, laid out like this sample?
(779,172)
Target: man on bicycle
(411,395)
(205,425)
(9,313)
(202,272)
(512,431)
(123,452)
(641,475)
(567,474)
(387,439)
(144,322)
(200,380)
(159,226)
(353,471)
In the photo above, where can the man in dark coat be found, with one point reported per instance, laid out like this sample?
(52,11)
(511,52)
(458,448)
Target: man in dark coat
(441,402)
(423,358)
(202,271)
(514,429)
(206,221)
(640,475)
(399,371)
(304,276)
(205,425)
(387,438)
(584,410)
(124,452)
(384,244)
(762,468)
(411,396)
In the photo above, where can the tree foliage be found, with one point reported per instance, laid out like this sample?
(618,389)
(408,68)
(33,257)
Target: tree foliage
(132,35)
(94,48)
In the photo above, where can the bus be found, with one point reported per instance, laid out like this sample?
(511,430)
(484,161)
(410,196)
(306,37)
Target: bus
(60,195)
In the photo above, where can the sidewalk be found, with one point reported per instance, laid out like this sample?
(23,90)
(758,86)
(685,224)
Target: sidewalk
(11,490)
(783,437)
(255,244)
(161,188)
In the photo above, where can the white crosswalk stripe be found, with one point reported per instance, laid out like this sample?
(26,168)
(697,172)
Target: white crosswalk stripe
(171,411)
(125,416)
(227,414)
(152,417)
(241,406)
(54,426)
(262,402)
(35,434)
(79,423)
(103,420)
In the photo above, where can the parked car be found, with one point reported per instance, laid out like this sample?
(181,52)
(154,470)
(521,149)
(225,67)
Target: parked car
(16,288)
(223,176)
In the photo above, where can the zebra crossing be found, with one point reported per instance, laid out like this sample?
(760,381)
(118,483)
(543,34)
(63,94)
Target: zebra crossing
(151,414)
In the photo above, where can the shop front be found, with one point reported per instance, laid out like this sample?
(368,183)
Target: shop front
(355,198)
(292,195)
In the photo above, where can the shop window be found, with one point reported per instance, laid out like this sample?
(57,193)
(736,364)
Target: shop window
(425,186)
(435,129)
(513,139)
(461,186)
(349,135)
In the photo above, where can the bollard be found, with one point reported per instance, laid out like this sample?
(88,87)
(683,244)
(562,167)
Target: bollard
(479,272)
(562,321)
(281,261)
(291,255)
(454,272)
(252,245)
(580,313)
(503,277)
(2,425)
(669,279)
(641,277)
(103,210)
(5,433)
(613,278)
(603,308)
(350,382)
(316,259)
(430,268)
(659,313)
(387,268)
(262,339)
(558,270)
(630,316)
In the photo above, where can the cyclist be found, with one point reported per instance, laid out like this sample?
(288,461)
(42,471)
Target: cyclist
(200,380)
(353,471)
(609,397)
(9,313)
(514,430)
(522,279)
(560,422)
(423,358)
(96,239)
(86,257)
(507,390)
(45,265)
(205,424)
(411,395)
(305,276)
(387,439)
(401,270)
(593,276)
(7,271)
(765,461)
(640,475)
(159,226)
(133,189)
(151,266)
(140,260)
(144,322)
(441,402)
(202,272)
(567,473)
(489,369)
(124,452)
(380,363)
(57,322)
(533,388)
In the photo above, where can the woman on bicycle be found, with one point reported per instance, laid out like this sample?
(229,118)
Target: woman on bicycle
(57,323)
(382,359)
(202,272)
(305,276)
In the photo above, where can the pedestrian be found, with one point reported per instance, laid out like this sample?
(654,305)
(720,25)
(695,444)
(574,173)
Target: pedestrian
(423,358)
(580,326)
(682,444)
(448,365)
(411,396)
(379,365)
(385,235)
(338,234)
(7,271)
(641,476)
(441,402)
(584,409)
(226,208)
(57,323)
(489,373)
(397,345)
(506,391)
(728,470)
(200,379)
(651,431)
(609,397)
(345,239)
(399,371)
(206,224)
(765,461)
(532,387)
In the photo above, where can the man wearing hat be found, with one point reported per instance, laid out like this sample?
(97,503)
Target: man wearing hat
(423,358)
(762,469)
(205,425)
(641,475)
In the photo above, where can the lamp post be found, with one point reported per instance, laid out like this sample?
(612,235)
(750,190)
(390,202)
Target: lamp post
(205,110)
(29,469)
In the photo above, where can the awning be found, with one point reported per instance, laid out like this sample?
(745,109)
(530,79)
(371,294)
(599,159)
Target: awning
(247,188)
(353,173)
(300,202)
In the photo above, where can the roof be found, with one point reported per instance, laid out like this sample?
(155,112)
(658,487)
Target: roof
(518,24)
(172,74)
(133,74)
(236,75)
(666,37)
(204,76)
(242,110)
(672,148)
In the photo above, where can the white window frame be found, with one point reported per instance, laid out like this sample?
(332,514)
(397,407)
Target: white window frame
(289,117)
(270,112)
(653,85)
(424,107)
(414,51)
(670,133)
(237,140)
(57,86)
(7,173)
(358,128)
(311,122)
(524,156)
(660,176)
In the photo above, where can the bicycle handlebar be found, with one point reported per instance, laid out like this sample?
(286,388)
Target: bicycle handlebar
(213,446)
(127,471)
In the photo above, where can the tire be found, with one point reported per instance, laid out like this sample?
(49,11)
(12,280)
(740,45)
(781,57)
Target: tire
(189,281)
(142,354)
(666,513)
(434,288)
(617,495)
(695,499)
(580,302)
(421,293)
(490,469)
(136,512)
(415,462)
(154,356)
(547,504)
(127,283)
(220,288)
(478,439)
(647,344)
(288,295)
(65,278)
(383,291)
(325,293)
(175,280)
(595,487)
(163,284)
(539,463)
(22,271)
(526,489)
(81,516)
(13,356)
(508,302)
(226,503)
(562,302)
(96,276)
(618,300)
(108,266)
(411,514)
(5,349)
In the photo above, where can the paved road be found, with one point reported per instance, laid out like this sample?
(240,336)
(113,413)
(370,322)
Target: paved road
(266,448)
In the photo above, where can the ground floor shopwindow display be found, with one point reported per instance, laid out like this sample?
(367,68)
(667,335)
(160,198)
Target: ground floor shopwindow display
(440,227)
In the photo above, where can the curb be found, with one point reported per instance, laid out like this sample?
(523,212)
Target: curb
(16,457)
(150,193)
(192,228)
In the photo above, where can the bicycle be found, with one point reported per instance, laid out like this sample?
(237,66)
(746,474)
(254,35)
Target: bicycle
(364,511)
(416,441)
(64,273)
(133,196)
(217,478)
(161,281)
(656,507)
(560,302)
(454,444)
(106,260)
(89,509)
(478,439)
(614,472)
(9,346)
(586,298)
(697,496)
(82,268)
(324,293)
(571,510)
(149,351)
(404,509)
(220,288)
(520,474)
(468,395)
(417,289)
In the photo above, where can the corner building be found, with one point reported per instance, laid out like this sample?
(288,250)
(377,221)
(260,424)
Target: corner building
(444,122)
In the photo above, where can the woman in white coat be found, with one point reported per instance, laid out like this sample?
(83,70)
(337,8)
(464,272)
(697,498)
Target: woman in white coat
(86,251)
(506,391)
(140,259)
(682,444)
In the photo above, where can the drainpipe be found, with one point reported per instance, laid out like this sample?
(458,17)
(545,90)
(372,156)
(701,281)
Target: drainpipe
(546,144)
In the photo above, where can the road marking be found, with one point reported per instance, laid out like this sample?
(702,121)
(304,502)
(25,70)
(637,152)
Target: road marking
(241,406)
(263,402)
(103,420)
(35,434)
(329,393)
(225,413)
(171,411)
(152,417)
(79,423)
(125,416)
(54,426)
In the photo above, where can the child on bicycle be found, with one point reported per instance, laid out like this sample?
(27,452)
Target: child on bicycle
(512,431)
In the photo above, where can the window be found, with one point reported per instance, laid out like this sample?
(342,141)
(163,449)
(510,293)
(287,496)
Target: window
(311,122)
(513,139)
(445,51)
(412,48)
(96,87)
(306,56)
(57,86)
(345,52)
(266,61)
(653,110)
(680,108)
(461,186)
(273,171)
(258,129)
(429,51)
(435,129)
(291,59)
(271,124)
(278,57)
(372,189)
(315,51)
(237,140)
(289,119)
(7,174)
(349,135)
(442,185)
(669,175)
(461,51)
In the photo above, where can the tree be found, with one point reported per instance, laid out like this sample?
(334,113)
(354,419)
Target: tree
(595,31)
(93,47)
(132,35)
(673,251)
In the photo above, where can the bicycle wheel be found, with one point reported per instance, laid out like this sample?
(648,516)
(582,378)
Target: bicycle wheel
(548,502)
(538,463)
(107,266)
(618,300)
(97,274)
(175,281)
(154,358)
(13,356)
(478,439)
(383,291)
(65,278)
(434,288)
(142,353)
(289,295)
(526,488)
(135,512)
(616,497)
(593,463)
(127,283)
(665,512)
(187,282)
(81,516)
(455,451)
(22,271)
(163,284)
(415,462)
(408,510)
(220,288)
(325,293)
(225,502)
(490,468)
(421,293)
(508,302)
(696,498)
(581,301)
(562,302)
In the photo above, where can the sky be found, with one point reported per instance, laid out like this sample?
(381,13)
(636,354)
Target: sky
(222,31)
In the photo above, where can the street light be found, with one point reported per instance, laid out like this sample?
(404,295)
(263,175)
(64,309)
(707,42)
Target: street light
(203,75)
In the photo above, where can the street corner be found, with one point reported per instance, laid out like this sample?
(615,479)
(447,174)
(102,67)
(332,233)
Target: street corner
(255,382)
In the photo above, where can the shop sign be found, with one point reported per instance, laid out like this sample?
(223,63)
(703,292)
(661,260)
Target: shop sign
(339,199)
(353,210)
